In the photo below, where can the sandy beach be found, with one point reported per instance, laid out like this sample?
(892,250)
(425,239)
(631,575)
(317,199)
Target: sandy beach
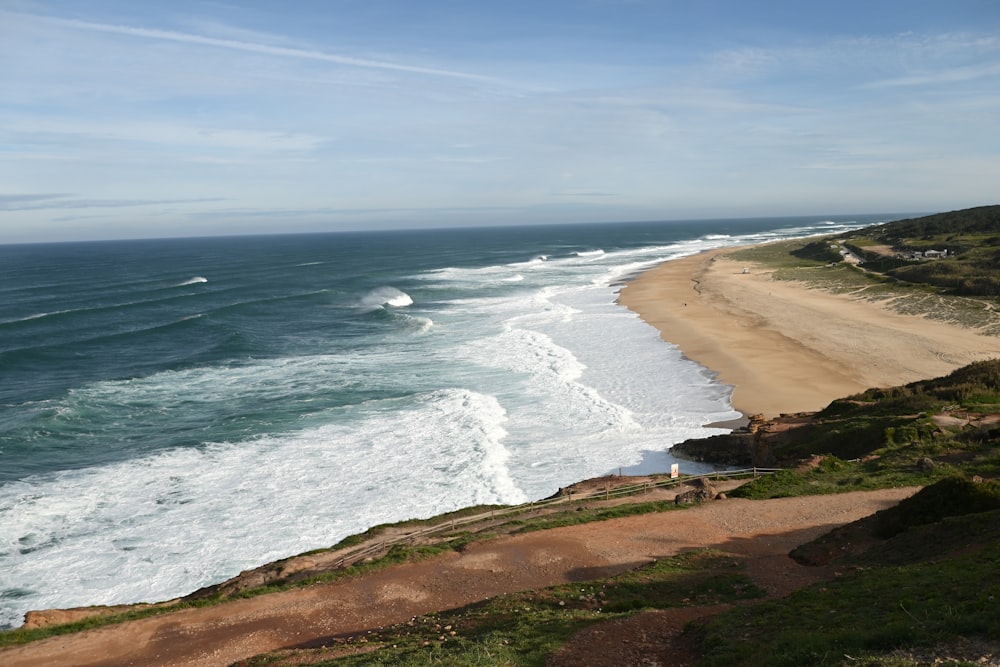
(786,347)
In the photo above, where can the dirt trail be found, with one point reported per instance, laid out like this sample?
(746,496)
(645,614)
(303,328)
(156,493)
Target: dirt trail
(762,531)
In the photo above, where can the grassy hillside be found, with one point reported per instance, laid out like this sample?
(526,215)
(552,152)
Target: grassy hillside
(926,586)
(961,288)
(971,238)
(918,433)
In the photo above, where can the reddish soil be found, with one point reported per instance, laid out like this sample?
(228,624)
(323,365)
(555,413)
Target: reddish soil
(761,532)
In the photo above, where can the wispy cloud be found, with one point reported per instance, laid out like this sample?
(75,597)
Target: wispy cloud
(164,133)
(582,193)
(256,47)
(946,76)
(33,202)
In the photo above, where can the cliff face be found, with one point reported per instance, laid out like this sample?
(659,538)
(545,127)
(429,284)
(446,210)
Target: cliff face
(733,449)
(754,445)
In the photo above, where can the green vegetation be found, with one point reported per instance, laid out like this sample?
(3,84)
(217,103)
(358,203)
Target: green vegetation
(932,581)
(587,515)
(913,435)
(961,288)
(970,237)
(525,628)
(981,220)
(953,496)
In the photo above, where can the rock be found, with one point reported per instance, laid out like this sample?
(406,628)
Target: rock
(735,449)
(705,491)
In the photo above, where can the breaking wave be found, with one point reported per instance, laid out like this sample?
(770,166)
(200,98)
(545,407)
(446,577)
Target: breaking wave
(192,281)
(381,297)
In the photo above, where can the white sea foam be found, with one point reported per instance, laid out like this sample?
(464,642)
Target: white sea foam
(475,278)
(385,296)
(102,529)
(418,324)
(192,281)
(38,316)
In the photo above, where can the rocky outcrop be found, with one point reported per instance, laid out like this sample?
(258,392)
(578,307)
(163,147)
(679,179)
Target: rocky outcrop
(753,445)
(731,449)
(703,490)
(742,447)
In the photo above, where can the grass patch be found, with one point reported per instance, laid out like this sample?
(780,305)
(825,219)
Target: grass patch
(526,628)
(584,514)
(23,636)
(375,531)
(954,496)
(868,612)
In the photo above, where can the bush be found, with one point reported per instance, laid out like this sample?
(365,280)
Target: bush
(954,496)
(818,251)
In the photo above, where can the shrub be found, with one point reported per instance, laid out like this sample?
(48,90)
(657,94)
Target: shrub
(954,496)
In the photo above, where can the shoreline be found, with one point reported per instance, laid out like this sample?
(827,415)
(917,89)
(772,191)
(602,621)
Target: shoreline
(786,347)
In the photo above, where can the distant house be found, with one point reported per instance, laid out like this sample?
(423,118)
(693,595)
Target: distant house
(935,254)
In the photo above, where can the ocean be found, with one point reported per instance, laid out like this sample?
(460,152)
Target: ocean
(175,411)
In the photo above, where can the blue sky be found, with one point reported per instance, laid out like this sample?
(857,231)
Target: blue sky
(125,119)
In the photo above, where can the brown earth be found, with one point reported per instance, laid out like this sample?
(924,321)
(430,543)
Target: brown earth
(761,533)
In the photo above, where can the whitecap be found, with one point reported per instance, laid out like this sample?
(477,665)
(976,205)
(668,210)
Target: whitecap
(385,296)
(419,324)
(192,281)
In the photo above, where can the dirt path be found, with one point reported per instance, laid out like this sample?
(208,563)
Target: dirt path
(763,531)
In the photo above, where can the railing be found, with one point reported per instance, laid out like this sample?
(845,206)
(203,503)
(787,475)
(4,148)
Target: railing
(607,493)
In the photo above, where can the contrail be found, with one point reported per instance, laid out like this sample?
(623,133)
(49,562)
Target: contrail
(286,52)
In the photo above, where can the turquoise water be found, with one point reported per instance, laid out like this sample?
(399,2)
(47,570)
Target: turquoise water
(175,411)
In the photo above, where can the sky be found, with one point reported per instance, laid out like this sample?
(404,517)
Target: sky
(136,119)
